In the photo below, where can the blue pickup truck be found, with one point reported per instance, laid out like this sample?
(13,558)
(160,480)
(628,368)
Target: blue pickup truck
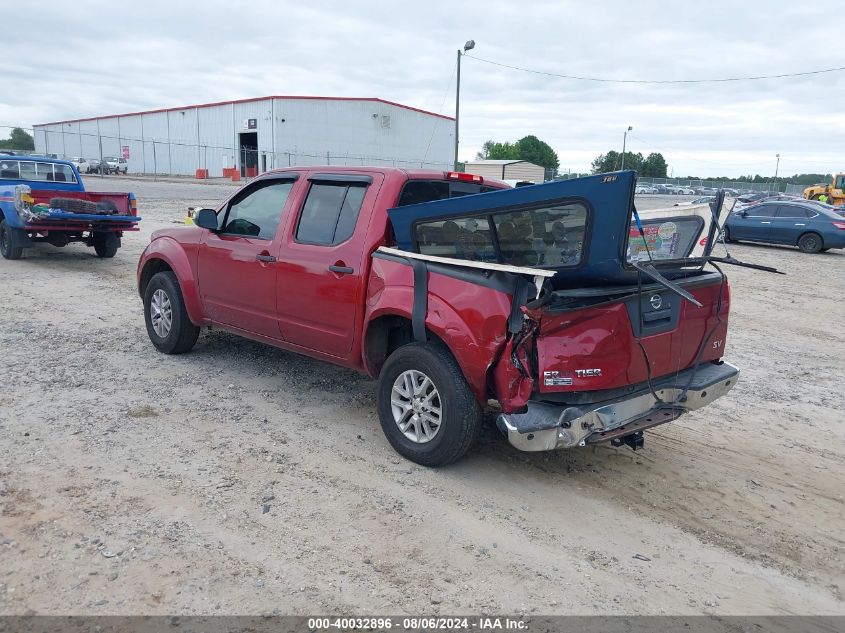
(44,200)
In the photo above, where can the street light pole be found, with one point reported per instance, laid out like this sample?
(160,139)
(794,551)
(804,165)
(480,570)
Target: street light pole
(624,141)
(467,47)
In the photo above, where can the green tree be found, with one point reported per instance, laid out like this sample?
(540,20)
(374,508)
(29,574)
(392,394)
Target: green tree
(535,151)
(654,166)
(18,139)
(492,150)
(528,148)
(612,161)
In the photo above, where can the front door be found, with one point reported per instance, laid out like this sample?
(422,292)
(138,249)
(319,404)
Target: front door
(236,265)
(756,224)
(321,263)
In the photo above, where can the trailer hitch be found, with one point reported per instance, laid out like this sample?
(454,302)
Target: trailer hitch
(635,441)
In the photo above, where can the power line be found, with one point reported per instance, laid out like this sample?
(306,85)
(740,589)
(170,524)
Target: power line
(658,81)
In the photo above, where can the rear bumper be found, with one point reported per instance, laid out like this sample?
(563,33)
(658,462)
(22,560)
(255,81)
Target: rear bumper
(547,426)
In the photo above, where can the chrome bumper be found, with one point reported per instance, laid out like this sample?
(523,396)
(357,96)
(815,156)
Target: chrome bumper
(546,426)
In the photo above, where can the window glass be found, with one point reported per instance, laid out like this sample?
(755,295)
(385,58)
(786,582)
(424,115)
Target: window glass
(9,169)
(330,213)
(665,238)
(258,213)
(418,191)
(462,238)
(791,211)
(28,170)
(63,173)
(840,182)
(549,236)
(763,211)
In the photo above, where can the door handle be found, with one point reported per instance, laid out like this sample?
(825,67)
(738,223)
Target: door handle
(269,259)
(341,270)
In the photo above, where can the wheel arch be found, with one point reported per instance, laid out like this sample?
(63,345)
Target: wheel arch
(810,232)
(165,254)
(389,331)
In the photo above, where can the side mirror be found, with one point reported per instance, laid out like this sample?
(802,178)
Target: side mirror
(206,219)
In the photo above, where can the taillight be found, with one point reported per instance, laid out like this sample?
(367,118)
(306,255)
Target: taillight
(839,225)
(133,206)
(464,177)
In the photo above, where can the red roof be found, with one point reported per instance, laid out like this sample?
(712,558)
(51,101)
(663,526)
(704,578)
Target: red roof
(219,103)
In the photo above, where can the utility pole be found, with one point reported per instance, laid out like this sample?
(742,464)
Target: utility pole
(624,141)
(467,47)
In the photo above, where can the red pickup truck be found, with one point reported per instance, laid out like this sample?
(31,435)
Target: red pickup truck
(581,321)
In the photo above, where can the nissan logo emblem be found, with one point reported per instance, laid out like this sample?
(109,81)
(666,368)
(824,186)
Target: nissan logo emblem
(656,301)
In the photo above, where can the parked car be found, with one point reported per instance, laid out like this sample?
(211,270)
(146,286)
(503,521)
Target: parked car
(702,200)
(645,189)
(115,165)
(810,227)
(44,200)
(82,165)
(401,275)
(94,166)
(684,191)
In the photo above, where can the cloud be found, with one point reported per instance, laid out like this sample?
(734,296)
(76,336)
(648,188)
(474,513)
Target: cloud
(108,59)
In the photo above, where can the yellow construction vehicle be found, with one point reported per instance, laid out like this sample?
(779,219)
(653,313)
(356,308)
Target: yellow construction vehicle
(835,190)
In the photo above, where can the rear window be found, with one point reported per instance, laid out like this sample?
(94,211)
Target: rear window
(419,191)
(551,236)
(665,238)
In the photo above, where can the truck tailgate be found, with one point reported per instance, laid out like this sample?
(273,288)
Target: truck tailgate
(598,347)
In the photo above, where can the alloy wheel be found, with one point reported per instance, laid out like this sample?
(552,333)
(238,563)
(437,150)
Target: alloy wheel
(416,406)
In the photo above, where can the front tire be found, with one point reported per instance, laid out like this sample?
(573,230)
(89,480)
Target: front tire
(426,408)
(6,249)
(168,325)
(810,243)
(726,235)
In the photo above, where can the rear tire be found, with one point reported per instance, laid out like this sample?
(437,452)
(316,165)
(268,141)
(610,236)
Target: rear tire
(418,385)
(810,243)
(6,236)
(168,325)
(726,235)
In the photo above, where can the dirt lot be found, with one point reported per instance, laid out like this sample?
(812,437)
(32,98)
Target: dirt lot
(133,482)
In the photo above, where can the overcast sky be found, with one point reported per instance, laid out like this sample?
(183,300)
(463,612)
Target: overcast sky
(81,59)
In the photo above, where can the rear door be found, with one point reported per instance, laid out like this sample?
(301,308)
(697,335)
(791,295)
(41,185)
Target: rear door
(319,286)
(791,221)
(236,266)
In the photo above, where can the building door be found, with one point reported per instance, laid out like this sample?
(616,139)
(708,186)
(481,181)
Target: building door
(248,145)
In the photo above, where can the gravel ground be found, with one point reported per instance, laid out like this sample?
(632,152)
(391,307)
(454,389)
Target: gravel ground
(242,479)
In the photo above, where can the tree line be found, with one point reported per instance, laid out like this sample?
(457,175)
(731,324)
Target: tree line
(19,139)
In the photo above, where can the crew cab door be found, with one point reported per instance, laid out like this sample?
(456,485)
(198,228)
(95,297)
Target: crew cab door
(319,288)
(236,265)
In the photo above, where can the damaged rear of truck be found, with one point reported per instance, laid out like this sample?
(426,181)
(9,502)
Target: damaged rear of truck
(583,320)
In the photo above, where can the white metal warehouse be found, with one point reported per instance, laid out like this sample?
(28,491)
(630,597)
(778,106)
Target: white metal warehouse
(251,136)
